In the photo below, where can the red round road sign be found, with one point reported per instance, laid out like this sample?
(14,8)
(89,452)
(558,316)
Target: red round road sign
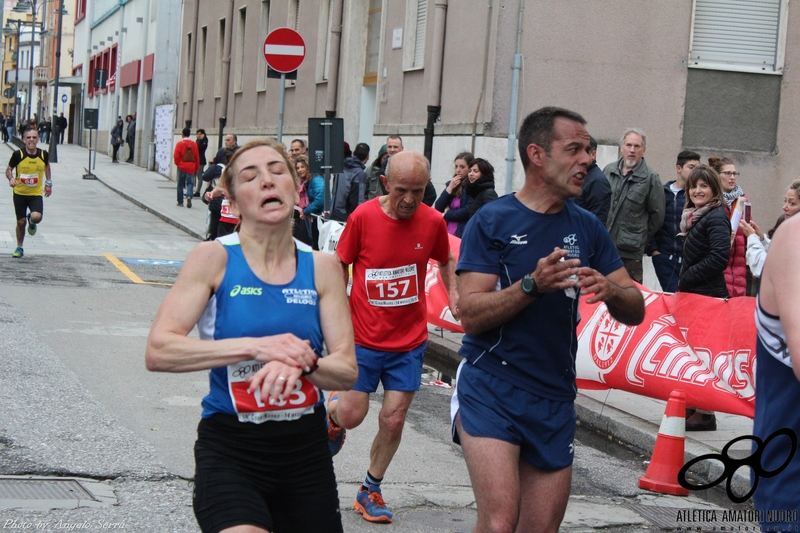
(284,50)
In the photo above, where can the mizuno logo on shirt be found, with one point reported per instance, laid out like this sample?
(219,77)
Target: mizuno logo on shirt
(245,291)
(517,239)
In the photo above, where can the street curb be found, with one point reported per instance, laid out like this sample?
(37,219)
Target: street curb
(149,209)
(621,426)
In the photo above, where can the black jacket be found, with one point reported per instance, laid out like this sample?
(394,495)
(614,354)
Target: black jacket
(596,193)
(482,192)
(666,240)
(202,146)
(705,255)
(460,215)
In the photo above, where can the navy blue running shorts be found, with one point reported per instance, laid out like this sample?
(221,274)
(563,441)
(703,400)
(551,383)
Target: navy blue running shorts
(400,371)
(277,475)
(490,407)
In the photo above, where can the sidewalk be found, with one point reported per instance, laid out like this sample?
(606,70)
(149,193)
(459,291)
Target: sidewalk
(626,417)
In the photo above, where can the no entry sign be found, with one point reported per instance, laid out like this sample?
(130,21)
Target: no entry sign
(284,50)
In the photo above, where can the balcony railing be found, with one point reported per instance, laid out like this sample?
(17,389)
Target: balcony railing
(41,75)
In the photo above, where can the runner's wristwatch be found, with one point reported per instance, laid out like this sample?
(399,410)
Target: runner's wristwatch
(529,286)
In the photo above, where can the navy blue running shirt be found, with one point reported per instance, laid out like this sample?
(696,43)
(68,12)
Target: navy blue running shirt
(535,350)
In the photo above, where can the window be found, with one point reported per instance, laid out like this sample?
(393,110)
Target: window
(373,43)
(324,36)
(112,68)
(200,76)
(80,10)
(218,66)
(188,49)
(416,24)
(294,15)
(739,35)
(261,84)
(238,72)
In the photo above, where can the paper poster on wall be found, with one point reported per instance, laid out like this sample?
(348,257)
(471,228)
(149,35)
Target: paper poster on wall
(163,130)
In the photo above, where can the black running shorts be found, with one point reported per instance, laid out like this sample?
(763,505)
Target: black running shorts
(276,475)
(22,204)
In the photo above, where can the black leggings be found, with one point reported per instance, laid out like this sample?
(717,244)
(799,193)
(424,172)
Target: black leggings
(116,149)
(276,475)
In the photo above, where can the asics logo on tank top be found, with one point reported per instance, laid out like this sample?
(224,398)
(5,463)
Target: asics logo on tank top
(517,239)
(300,296)
(245,291)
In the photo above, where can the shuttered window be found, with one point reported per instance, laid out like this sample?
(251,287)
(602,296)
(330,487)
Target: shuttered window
(414,40)
(419,37)
(739,35)
(328,41)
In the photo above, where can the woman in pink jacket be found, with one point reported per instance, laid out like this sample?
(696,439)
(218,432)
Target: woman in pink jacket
(736,272)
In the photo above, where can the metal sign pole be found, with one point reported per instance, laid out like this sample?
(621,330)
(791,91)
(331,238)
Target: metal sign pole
(327,164)
(89,168)
(280,107)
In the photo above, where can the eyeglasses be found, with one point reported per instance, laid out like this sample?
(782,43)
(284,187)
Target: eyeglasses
(728,173)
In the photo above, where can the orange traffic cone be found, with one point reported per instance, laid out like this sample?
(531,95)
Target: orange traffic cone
(667,459)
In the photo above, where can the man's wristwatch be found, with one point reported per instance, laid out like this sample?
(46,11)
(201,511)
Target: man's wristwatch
(529,286)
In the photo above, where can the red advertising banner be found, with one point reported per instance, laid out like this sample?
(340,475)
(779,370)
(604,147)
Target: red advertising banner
(705,346)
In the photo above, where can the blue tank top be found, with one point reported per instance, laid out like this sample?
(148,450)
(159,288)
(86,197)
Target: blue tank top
(777,398)
(245,306)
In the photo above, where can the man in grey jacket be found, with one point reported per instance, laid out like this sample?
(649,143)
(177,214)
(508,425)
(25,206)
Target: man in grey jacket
(637,202)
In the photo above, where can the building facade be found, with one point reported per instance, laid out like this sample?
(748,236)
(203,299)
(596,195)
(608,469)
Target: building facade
(125,60)
(712,76)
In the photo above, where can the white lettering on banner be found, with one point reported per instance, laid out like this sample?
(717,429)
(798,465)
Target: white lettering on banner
(392,287)
(431,277)
(659,353)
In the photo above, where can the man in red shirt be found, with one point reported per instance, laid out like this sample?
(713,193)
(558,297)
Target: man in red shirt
(389,241)
(187,159)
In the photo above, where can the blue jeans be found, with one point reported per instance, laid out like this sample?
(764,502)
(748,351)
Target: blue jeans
(185,180)
(668,271)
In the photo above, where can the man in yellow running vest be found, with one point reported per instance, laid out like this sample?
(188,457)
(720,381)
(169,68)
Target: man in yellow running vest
(32,180)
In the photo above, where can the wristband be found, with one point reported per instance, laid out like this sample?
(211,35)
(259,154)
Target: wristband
(313,368)
(48,183)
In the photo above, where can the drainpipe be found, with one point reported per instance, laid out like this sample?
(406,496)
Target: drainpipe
(435,86)
(485,68)
(190,81)
(226,71)
(333,59)
(512,112)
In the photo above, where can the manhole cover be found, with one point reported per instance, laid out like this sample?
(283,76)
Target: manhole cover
(34,492)
(684,519)
(42,489)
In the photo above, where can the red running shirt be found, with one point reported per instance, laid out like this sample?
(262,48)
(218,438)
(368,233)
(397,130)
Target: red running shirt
(390,259)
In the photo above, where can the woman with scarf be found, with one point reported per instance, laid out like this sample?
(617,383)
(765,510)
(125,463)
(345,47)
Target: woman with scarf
(736,271)
(706,248)
(116,140)
(480,186)
(454,200)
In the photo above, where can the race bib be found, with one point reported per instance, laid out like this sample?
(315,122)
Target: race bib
(251,408)
(31,180)
(392,287)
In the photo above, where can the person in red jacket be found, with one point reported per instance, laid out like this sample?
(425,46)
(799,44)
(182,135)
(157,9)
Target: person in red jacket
(736,272)
(187,159)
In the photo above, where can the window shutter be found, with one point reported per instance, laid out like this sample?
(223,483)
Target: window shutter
(328,41)
(419,38)
(736,35)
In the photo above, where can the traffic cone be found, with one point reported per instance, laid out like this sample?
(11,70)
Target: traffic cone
(667,459)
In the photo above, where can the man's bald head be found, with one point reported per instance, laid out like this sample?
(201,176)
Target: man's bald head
(408,173)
